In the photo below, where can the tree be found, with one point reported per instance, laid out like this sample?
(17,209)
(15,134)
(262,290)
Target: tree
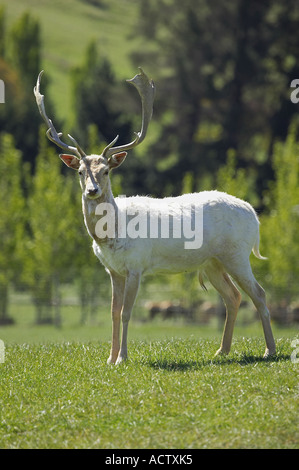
(2,31)
(26,48)
(280,227)
(236,181)
(53,224)
(23,62)
(11,112)
(232,76)
(96,99)
(12,220)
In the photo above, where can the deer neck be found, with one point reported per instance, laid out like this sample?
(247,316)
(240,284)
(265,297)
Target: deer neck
(89,207)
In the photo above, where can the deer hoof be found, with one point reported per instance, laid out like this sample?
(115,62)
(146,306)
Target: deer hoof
(269,353)
(220,352)
(111,360)
(120,360)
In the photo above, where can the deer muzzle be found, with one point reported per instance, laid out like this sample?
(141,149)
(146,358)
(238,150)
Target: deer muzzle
(93,192)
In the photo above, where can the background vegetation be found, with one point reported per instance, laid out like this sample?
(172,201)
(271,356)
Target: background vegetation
(223,119)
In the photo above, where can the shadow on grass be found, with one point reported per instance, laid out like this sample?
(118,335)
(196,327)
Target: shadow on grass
(244,360)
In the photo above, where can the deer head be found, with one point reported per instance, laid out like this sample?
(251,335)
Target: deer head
(94,169)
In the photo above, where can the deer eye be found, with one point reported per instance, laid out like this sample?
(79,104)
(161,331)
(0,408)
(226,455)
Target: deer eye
(80,172)
(106,172)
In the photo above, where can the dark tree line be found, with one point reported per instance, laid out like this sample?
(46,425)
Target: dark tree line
(20,62)
(223,71)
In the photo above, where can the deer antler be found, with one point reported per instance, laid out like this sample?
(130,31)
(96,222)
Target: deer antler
(52,134)
(146,90)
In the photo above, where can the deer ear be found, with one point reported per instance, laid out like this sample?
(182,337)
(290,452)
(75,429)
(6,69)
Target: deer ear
(70,161)
(115,160)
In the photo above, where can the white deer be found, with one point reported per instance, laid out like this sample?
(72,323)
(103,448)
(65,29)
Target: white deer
(229,232)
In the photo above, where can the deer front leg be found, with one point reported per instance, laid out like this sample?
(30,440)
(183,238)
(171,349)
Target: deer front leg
(118,287)
(131,289)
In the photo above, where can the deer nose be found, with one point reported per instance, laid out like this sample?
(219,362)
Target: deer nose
(92,191)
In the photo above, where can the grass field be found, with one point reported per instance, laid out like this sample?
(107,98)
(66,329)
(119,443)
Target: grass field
(58,392)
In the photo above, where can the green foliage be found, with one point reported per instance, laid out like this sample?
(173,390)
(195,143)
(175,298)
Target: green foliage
(12,217)
(235,181)
(280,227)
(225,81)
(12,214)
(53,226)
(52,211)
(12,112)
(2,31)
(20,63)
(95,96)
(212,95)
(26,47)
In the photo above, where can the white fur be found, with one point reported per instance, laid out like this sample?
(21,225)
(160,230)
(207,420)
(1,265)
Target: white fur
(229,225)
(230,233)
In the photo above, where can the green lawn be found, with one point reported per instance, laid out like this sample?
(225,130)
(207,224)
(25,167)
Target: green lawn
(56,390)
(172,393)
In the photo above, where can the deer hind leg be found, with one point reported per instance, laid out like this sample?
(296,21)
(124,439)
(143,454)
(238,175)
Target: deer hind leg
(130,293)
(231,297)
(118,287)
(244,277)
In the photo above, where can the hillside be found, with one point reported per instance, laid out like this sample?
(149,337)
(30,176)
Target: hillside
(68,26)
